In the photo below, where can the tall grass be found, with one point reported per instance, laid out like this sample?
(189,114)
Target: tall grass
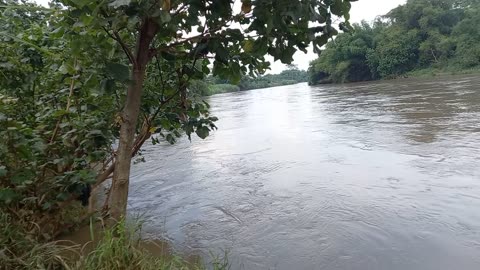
(19,249)
(120,247)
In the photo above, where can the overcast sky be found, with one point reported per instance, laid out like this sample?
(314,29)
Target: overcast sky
(361,10)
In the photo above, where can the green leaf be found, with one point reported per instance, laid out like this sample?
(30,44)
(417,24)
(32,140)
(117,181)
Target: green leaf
(118,71)
(168,56)
(221,55)
(347,6)
(337,7)
(7,195)
(170,139)
(202,132)
(3,171)
(165,17)
(248,46)
(47,205)
(106,86)
(22,177)
(62,196)
(64,69)
(260,46)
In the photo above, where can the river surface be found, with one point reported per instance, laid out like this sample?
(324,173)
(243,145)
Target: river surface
(380,175)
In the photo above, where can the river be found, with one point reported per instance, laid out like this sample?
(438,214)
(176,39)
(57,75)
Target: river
(379,175)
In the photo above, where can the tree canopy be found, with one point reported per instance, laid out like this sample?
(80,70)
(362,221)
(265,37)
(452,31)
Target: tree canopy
(418,35)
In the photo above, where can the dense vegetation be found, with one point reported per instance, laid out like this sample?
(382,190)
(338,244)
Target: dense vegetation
(215,85)
(84,84)
(422,34)
(291,75)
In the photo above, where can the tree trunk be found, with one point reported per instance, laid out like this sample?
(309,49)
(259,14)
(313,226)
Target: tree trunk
(121,174)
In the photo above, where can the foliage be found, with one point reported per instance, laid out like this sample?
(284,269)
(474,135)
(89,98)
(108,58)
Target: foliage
(344,59)
(215,85)
(395,53)
(466,42)
(422,34)
(119,247)
(176,40)
(222,88)
(55,121)
(206,88)
(292,75)
(19,251)
(84,84)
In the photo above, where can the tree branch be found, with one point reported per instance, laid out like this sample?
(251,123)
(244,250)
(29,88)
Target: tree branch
(124,46)
(196,38)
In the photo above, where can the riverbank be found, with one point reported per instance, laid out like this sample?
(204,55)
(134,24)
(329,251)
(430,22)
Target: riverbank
(229,88)
(215,85)
(92,247)
(434,72)
(204,89)
(421,73)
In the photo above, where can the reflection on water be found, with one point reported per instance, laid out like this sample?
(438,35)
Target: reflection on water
(378,175)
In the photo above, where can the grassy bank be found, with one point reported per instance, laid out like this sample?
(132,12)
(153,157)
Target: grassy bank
(433,72)
(222,88)
(420,73)
(207,89)
(214,85)
(120,247)
(203,88)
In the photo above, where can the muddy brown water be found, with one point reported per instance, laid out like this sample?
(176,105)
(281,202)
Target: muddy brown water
(380,175)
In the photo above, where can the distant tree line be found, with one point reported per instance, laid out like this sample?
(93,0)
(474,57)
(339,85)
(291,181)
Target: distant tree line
(420,35)
(215,85)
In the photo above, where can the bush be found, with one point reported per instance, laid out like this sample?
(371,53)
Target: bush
(222,88)
(203,88)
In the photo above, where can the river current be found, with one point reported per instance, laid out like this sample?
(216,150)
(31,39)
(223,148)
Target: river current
(378,175)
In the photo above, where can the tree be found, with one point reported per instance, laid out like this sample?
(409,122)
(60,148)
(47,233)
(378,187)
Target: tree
(345,59)
(465,38)
(421,34)
(396,52)
(181,37)
(55,116)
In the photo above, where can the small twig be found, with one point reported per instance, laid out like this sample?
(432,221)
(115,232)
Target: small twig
(107,199)
(180,9)
(124,46)
(69,102)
